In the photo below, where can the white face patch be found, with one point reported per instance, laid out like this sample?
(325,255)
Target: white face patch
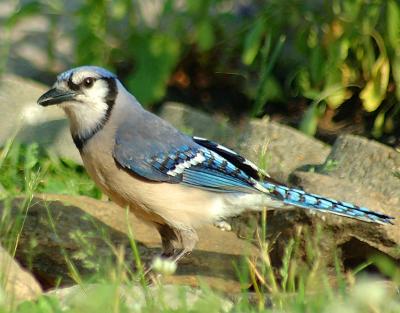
(84,117)
(95,94)
(89,108)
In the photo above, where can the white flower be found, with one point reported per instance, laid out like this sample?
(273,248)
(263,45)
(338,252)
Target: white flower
(164,266)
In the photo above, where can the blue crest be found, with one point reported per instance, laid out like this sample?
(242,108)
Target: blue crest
(89,68)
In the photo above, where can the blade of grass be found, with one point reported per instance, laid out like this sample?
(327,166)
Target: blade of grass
(267,63)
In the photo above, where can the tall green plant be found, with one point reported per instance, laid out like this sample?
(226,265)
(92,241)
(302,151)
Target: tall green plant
(338,49)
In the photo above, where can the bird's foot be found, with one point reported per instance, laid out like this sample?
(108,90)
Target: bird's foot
(223,225)
(181,254)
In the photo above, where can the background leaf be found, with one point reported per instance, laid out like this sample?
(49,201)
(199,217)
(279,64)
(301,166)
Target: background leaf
(252,42)
(375,90)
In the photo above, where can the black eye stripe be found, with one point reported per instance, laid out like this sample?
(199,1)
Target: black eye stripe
(85,83)
(71,84)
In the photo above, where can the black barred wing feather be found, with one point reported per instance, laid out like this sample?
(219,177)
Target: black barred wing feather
(202,168)
(236,159)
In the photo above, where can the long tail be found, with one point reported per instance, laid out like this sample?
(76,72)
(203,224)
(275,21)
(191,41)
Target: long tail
(299,198)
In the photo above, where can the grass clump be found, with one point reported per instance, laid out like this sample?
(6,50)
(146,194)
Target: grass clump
(26,168)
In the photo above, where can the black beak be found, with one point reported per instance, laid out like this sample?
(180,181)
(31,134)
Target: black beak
(55,96)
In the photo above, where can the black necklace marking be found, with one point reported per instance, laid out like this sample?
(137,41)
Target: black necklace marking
(80,141)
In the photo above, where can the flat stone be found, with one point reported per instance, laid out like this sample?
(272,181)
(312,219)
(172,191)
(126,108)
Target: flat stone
(18,284)
(56,238)
(82,228)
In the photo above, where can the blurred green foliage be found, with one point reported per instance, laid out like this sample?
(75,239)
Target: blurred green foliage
(336,50)
(25,169)
(327,53)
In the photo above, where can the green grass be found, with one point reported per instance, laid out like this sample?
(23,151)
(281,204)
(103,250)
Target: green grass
(301,284)
(26,169)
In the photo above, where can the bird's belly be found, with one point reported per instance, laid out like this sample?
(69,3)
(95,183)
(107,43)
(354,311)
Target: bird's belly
(113,183)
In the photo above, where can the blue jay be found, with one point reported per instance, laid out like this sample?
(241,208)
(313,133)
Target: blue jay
(166,178)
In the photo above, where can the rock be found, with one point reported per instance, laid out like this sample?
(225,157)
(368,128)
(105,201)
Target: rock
(362,172)
(57,238)
(18,284)
(367,163)
(381,238)
(29,41)
(83,232)
(24,118)
(133,297)
(282,148)
(196,123)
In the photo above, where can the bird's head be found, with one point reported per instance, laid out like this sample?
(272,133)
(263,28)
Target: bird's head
(82,87)
(87,94)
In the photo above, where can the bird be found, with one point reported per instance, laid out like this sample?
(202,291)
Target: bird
(170,180)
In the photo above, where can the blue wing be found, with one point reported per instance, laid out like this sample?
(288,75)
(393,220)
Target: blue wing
(209,170)
(162,154)
(140,139)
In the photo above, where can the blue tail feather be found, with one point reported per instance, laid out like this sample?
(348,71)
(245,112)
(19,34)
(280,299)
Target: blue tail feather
(300,198)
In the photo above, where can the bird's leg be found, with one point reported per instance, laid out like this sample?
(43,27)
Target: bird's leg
(188,238)
(169,240)
(170,237)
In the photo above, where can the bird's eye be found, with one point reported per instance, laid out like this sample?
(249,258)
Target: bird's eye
(88,82)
